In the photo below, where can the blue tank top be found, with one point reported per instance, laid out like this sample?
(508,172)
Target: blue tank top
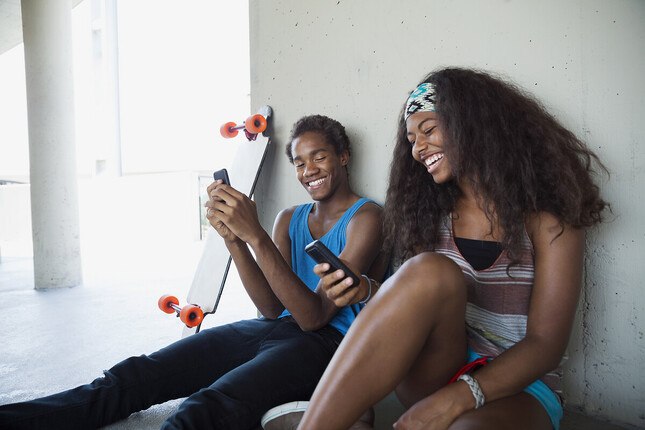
(303,265)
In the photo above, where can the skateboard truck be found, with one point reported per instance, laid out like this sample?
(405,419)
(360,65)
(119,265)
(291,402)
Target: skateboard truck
(191,315)
(254,125)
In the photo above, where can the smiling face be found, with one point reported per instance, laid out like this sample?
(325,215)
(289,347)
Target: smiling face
(426,140)
(319,169)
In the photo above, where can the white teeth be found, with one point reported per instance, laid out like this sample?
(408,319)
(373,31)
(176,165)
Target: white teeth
(431,160)
(316,182)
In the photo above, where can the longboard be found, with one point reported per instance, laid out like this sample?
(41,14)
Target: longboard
(215,262)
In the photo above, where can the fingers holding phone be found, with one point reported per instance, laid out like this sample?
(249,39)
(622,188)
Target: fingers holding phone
(337,286)
(233,208)
(214,218)
(220,193)
(221,189)
(338,281)
(220,177)
(213,214)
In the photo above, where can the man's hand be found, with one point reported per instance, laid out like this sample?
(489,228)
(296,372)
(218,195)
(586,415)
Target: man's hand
(339,288)
(215,221)
(235,211)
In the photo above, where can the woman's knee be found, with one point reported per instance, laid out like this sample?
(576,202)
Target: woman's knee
(430,273)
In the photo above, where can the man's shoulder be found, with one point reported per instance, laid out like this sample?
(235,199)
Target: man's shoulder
(285,215)
(282,222)
(288,212)
(370,208)
(368,215)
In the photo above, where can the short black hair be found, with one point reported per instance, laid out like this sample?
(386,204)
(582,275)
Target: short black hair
(332,130)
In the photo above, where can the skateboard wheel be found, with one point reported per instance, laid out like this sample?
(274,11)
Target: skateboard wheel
(227,130)
(165,301)
(255,124)
(191,315)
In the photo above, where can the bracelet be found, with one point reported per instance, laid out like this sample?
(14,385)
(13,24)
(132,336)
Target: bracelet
(475,389)
(369,292)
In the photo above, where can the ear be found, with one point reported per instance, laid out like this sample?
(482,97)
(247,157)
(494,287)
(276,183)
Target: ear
(344,158)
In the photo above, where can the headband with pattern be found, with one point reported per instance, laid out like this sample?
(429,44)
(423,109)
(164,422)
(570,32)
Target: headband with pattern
(421,100)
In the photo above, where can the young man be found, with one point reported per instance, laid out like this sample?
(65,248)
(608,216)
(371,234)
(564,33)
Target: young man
(234,373)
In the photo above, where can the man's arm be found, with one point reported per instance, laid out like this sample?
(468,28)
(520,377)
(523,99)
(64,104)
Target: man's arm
(254,282)
(336,286)
(250,274)
(234,215)
(311,310)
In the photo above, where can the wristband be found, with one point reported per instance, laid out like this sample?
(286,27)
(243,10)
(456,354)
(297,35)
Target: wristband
(474,388)
(369,292)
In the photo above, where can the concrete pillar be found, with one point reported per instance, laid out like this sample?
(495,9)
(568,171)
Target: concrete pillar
(47,35)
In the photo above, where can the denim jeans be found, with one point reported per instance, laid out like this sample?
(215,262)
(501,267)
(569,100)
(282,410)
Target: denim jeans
(231,375)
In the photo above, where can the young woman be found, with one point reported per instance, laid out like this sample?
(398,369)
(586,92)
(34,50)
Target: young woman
(486,211)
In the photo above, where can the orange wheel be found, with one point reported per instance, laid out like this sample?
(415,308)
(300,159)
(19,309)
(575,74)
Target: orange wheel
(227,131)
(165,301)
(255,124)
(191,315)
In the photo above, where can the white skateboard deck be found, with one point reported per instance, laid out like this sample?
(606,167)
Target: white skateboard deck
(212,270)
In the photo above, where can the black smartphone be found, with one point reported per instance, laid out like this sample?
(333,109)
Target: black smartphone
(223,175)
(321,254)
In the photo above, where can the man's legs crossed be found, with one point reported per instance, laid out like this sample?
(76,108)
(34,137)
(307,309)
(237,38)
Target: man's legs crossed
(137,383)
(287,367)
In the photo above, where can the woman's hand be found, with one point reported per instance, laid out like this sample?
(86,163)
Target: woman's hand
(340,288)
(439,410)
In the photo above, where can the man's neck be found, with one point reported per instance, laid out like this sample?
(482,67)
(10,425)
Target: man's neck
(340,201)
(326,213)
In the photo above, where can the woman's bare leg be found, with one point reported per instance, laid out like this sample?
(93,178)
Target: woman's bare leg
(418,313)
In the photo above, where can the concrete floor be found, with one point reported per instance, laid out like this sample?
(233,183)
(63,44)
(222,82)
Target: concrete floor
(57,339)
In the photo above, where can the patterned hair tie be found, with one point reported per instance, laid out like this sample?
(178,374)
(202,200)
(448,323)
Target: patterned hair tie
(421,100)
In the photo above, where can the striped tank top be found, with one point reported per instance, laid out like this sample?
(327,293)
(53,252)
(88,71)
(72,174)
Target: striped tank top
(498,304)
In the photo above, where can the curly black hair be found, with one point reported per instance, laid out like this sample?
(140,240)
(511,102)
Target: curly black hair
(332,130)
(520,159)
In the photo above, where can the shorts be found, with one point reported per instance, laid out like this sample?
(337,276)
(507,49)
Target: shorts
(538,389)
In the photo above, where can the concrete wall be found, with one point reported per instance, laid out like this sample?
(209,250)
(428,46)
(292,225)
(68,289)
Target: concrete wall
(356,61)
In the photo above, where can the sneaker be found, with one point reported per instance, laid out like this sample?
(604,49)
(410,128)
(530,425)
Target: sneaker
(288,416)
(284,417)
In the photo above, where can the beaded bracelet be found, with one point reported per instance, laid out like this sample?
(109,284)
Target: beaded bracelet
(369,292)
(474,388)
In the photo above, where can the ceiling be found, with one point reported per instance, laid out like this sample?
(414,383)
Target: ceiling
(11,24)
